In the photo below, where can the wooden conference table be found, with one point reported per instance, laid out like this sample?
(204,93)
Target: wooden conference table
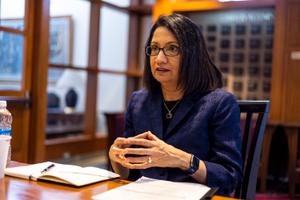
(19,189)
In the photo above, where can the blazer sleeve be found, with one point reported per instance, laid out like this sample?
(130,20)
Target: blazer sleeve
(224,166)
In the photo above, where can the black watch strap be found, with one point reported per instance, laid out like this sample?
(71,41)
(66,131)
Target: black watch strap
(194,165)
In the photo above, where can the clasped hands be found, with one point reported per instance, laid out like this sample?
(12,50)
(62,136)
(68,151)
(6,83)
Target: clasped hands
(151,152)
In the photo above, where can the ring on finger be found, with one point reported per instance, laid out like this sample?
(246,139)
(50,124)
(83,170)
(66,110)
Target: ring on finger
(149,160)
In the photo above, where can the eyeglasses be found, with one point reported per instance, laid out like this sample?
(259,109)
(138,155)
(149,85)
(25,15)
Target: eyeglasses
(168,50)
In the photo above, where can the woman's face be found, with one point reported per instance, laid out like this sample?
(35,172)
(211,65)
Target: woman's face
(165,68)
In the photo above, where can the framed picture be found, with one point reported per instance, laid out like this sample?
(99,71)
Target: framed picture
(254,43)
(254,58)
(225,44)
(267,71)
(266,86)
(239,43)
(211,38)
(238,71)
(237,86)
(253,71)
(268,57)
(225,29)
(11,47)
(255,29)
(61,40)
(211,28)
(238,57)
(11,51)
(252,86)
(224,57)
(240,29)
(60,44)
(224,69)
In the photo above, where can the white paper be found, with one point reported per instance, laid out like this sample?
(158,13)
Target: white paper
(153,189)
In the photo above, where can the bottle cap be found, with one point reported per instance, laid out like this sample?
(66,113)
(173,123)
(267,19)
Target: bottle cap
(3,103)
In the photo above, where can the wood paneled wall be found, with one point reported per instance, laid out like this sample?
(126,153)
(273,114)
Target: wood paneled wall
(291,64)
(285,96)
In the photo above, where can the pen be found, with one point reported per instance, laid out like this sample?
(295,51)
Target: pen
(47,168)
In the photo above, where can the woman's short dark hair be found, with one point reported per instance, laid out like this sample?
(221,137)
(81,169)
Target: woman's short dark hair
(197,71)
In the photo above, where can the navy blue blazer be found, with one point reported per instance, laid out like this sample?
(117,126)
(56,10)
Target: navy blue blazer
(206,125)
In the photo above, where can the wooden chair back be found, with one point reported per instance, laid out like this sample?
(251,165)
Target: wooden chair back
(254,115)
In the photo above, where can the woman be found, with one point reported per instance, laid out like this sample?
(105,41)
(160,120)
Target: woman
(182,126)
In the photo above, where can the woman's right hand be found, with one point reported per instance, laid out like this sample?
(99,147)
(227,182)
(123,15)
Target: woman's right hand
(117,150)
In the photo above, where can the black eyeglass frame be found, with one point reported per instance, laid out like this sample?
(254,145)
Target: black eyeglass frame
(149,49)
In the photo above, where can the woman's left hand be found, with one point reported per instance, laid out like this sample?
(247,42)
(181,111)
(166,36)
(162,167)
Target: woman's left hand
(154,153)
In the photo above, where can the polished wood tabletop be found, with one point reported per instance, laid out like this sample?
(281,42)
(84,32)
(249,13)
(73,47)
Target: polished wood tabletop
(20,189)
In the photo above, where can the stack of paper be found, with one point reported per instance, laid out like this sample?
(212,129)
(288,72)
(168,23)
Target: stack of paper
(153,189)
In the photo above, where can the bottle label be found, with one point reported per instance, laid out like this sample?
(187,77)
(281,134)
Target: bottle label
(5,132)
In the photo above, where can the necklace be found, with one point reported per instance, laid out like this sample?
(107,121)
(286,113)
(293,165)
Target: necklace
(169,114)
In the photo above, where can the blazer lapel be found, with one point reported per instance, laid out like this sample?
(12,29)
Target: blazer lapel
(184,108)
(155,113)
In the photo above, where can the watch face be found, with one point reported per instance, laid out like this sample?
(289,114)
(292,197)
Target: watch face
(194,165)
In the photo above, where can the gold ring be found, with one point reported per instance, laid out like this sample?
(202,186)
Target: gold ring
(149,160)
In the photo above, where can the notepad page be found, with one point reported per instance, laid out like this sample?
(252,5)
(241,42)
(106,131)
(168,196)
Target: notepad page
(150,189)
(28,170)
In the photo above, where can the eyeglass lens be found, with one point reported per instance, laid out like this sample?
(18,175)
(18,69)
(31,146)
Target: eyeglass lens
(169,50)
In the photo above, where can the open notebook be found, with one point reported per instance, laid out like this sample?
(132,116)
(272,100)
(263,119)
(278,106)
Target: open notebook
(61,173)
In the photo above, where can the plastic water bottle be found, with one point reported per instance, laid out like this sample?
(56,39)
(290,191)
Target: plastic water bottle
(5,124)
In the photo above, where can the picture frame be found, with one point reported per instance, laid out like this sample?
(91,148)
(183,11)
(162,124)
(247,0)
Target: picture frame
(224,57)
(11,51)
(268,57)
(225,44)
(252,86)
(255,44)
(60,40)
(60,47)
(238,71)
(224,69)
(237,86)
(60,44)
(238,57)
(254,58)
(266,86)
(253,71)
(267,71)
(255,29)
(239,44)
(211,28)
(225,29)
(211,38)
(240,29)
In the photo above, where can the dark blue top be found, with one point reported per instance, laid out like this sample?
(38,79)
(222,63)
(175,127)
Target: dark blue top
(204,124)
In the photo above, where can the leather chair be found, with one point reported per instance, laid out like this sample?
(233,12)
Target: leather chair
(254,115)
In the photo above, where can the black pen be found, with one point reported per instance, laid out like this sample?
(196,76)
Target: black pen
(47,168)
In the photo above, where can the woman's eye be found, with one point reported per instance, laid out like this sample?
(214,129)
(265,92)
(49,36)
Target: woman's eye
(154,48)
(172,48)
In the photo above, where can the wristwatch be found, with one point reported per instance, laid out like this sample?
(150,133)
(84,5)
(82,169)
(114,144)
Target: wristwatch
(194,165)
